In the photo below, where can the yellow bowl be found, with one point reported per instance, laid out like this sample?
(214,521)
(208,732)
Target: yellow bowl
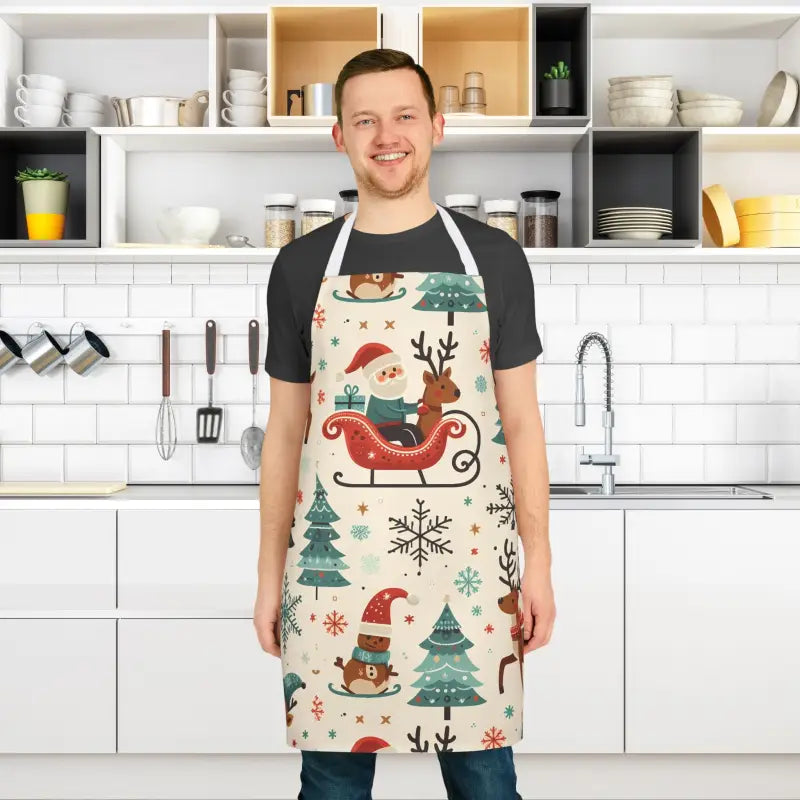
(719,216)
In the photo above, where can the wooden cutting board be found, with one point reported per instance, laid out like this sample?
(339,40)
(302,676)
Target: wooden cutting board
(56,488)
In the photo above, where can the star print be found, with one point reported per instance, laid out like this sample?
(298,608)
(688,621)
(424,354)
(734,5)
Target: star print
(371,454)
(385,720)
(409,618)
(502,459)
(299,495)
(489,628)
(474,551)
(362,325)
(313,617)
(362,508)
(475,528)
(335,341)
(360,719)
(389,324)
(332,733)
(294,742)
(305,734)
(467,501)
(322,364)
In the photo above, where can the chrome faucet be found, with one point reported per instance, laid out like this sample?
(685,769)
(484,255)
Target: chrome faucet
(606,459)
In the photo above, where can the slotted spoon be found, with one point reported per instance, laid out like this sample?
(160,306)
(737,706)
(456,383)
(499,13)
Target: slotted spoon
(209,418)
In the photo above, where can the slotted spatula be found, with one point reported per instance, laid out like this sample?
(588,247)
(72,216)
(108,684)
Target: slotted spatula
(209,418)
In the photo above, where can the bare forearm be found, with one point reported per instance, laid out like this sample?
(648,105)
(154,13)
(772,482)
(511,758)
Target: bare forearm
(529,471)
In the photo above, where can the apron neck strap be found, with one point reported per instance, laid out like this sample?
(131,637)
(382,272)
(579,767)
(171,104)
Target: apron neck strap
(337,253)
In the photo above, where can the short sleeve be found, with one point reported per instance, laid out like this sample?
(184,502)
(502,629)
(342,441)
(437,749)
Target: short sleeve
(518,340)
(287,356)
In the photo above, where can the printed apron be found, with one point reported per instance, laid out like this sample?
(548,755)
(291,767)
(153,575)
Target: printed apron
(401,620)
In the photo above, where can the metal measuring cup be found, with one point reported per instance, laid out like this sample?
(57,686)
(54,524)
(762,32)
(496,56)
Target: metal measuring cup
(10,351)
(42,352)
(86,352)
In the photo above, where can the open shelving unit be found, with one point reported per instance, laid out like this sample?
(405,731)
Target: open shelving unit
(129,51)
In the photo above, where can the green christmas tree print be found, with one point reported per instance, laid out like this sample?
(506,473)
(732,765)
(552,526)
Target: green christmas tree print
(447,673)
(320,560)
(500,436)
(450,292)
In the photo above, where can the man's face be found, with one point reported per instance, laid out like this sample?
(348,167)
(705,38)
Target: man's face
(387,132)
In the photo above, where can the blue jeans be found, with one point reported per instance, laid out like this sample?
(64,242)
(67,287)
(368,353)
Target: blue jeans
(476,775)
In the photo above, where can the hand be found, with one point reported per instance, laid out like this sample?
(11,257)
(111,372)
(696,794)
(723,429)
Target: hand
(538,606)
(422,409)
(266,619)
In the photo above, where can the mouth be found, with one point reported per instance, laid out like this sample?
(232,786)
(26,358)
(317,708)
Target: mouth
(389,159)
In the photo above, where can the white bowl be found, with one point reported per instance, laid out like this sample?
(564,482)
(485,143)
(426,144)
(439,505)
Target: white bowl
(639,102)
(83,119)
(711,104)
(779,100)
(616,94)
(711,117)
(688,95)
(188,224)
(244,116)
(639,78)
(640,116)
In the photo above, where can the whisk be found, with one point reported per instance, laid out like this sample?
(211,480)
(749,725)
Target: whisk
(166,432)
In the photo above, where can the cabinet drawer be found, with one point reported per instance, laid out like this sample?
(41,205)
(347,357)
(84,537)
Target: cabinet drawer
(57,560)
(57,685)
(188,561)
(198,686)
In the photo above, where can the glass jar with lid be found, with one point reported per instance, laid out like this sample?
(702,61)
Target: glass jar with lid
(464,203)
(349,201)
(315,212)
(279,219)
(540,218)
(503,214)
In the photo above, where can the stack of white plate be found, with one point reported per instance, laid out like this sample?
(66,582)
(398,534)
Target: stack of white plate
(245,98)
(702,109)
(634,222)
(640,100)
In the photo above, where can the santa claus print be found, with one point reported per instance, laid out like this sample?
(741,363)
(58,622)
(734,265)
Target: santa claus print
(368,673)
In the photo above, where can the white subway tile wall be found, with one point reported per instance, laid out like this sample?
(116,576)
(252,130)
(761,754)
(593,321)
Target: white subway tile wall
(705,383)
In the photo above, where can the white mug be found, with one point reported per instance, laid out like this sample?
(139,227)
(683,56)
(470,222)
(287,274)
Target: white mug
(36,81)
(38,116)
(83,119)
(39,97)
(244,73)
(251,84)
(242,116)
(83,101)
(244,97)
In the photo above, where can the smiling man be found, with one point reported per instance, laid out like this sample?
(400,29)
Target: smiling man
(407,635)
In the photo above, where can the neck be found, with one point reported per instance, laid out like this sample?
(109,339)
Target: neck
(392,215)
(432,406)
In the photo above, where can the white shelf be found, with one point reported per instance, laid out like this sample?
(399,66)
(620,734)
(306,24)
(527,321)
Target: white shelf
(318,139)
(751,140)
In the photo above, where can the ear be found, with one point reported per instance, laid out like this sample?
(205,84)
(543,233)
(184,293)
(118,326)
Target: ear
(446,373)
(428,377)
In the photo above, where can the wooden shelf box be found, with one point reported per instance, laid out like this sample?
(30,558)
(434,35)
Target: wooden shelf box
(657,167)
(311,44)
(562,33)
(75,151)
(494,40)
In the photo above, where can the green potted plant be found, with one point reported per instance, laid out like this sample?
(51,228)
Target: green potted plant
(46,194)
(556,90)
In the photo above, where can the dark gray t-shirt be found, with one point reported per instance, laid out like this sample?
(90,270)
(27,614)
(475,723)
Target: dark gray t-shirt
(299,267)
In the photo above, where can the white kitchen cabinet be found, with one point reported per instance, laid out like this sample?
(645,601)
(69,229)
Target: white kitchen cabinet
(173,561)
(574,684)
(57,560)
(712,649)
(57,685)
(198,686)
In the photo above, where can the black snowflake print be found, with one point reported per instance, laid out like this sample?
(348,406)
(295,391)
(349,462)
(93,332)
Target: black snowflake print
(505,508)
(420,536)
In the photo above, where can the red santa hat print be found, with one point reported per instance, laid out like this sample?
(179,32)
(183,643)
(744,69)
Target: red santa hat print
(376,619)
(372,744)
(370,358)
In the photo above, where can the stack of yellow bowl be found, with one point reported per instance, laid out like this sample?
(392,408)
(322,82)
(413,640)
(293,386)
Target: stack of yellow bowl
(769,221)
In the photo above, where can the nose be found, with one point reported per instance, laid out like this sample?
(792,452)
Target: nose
(458,392)
(385,134)
(499,601)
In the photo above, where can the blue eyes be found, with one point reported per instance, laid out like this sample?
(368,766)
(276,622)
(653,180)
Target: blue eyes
(402,116)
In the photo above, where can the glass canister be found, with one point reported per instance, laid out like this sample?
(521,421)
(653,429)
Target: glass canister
(464,203)
(315,213)
(540,218)
(349,201)
(503,214)
(279,226)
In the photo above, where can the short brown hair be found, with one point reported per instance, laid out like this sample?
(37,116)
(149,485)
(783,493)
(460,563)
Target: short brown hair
(382,59)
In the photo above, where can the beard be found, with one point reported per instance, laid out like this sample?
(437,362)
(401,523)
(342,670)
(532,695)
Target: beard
(416,177)
(389,390)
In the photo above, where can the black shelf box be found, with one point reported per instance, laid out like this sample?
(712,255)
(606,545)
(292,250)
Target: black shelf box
(75,151)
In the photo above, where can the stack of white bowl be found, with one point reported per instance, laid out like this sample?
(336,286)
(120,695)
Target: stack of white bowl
(245,98)
(41,99)
(642,100)
(698,109)
(84,110)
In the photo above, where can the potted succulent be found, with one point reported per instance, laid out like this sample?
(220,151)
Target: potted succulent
(556,90)
(45,194)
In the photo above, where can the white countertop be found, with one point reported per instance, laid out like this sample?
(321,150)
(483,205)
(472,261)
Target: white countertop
(245,497)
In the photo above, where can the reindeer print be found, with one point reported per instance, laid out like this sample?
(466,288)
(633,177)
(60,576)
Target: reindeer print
(511,604)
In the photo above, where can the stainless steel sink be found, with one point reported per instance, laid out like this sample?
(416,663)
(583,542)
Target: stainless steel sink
(712,491)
